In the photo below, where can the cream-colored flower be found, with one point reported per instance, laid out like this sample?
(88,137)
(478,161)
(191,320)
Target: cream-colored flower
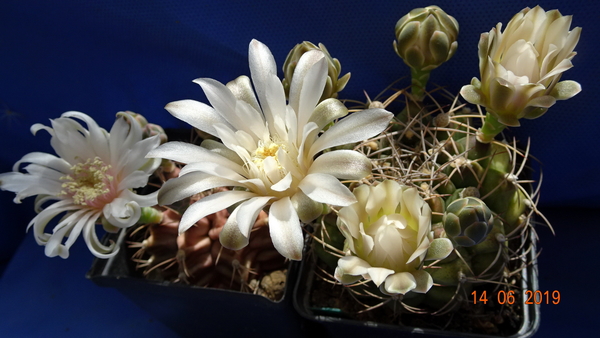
(521,67)
(269,151)
(90,179)
(388,236)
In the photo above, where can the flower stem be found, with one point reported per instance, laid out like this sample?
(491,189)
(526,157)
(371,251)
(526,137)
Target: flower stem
(419,80)
(491,127)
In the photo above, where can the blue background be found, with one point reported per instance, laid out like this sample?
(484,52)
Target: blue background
(101,57)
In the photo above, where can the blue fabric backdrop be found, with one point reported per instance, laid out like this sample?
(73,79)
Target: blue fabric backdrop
(101,57)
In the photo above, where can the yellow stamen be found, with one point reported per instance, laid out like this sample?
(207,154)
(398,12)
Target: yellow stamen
(88,181)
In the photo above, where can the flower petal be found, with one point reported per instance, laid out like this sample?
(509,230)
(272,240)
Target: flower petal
(190,184)
(351,265)
(354,128)
(209,205)
(285,229)
(424,281)
(307,84)
(98,249)
(197,114)
(327,111)
(262,67)
(122,213)
(399,283)
(231,237)
(343,164)
(326,189)
(189,153)
(378,275)
(248,212)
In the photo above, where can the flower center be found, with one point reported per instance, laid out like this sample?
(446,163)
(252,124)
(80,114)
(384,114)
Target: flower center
(262,152)
(87,182)
(268,163)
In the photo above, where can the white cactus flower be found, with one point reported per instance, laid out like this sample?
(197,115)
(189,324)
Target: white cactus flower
(269,151)
(521,67)
(90,179)
(388,236)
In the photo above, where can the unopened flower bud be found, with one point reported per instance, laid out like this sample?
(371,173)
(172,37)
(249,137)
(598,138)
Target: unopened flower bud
(426,38)
(334,83)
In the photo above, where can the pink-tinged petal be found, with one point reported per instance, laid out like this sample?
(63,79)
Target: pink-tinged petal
(326,189)
(190,184)
(197,114)
(209,205)
(353,128)
(343,164)
(285,229)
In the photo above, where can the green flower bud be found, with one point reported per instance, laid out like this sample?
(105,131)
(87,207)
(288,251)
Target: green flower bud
(468,221)
(334,83)
(426,38)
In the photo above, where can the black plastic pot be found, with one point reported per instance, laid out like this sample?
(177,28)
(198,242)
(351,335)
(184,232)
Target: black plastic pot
(197,311)
(336,324)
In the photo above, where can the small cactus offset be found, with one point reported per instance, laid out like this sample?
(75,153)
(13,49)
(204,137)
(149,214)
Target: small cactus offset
(467,221)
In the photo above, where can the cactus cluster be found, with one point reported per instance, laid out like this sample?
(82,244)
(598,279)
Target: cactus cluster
(196,257)
(476,192)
